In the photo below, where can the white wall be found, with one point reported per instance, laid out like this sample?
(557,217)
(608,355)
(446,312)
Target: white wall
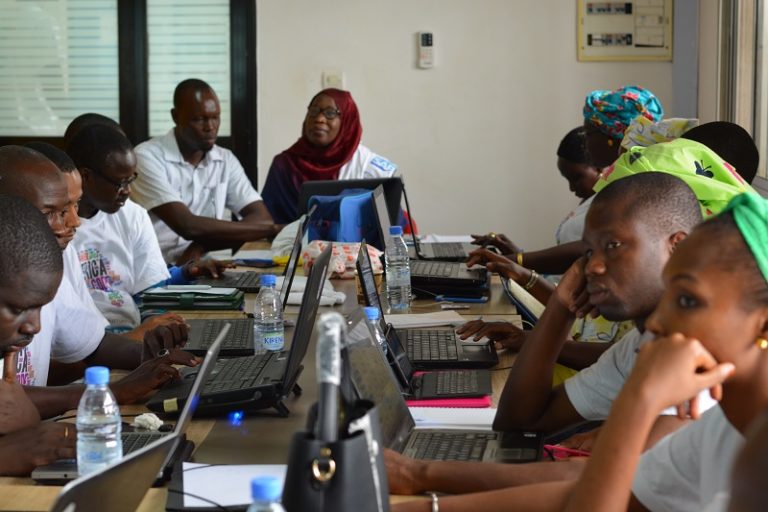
(475,137)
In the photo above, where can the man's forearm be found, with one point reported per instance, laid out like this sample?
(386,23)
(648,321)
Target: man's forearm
(579,354)
(528,389)
(52,401)
(116,352)
(214,233)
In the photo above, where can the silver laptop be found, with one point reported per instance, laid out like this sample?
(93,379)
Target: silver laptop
(120,487)
(66,469)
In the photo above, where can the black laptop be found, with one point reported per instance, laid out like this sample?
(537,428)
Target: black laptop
(254,382)
(436,277)
(239,342)
(66,469)
(426,348)
(373,380)
(120,487)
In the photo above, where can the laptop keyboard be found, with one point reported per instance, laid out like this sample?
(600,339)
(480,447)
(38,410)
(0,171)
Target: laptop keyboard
(431,345)
(248,280)
(457,382)
(235,374)
(433,268)
(448,250)
(449,445)
(240,335)
(133,441)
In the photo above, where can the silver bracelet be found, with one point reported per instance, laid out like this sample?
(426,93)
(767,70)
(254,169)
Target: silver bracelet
(532,281)
(435,504)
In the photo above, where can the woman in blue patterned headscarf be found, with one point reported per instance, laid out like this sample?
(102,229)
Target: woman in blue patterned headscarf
(607,114)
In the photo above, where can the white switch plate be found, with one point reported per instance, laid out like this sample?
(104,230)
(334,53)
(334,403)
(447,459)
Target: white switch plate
(333,79)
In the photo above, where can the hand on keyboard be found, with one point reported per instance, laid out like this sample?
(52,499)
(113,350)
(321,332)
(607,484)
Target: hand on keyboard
(504,334)
(151,375)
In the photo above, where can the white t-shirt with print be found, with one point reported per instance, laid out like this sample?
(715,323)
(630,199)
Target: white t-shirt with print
(690,470)
(217,184)
(119,257)
(70,331)
(571,229)
(365,164)
(593,390)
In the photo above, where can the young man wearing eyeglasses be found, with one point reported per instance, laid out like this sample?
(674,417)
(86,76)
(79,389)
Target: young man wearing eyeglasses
(116,245)
(188,183)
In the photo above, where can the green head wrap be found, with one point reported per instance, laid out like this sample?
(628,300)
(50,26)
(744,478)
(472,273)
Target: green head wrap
(750,211)
(714,181)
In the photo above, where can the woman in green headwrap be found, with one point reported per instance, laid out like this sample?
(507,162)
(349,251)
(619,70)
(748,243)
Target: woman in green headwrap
(714,181)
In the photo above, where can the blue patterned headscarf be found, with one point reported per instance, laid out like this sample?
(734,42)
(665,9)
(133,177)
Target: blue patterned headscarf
(612,111)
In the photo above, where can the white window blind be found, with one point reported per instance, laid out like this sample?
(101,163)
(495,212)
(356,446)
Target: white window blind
(187,39)
(58,59)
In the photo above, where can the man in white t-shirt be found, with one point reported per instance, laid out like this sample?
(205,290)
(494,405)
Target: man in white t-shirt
(72,328)
(116,244)
(30,272)
(630,232)
(189,184)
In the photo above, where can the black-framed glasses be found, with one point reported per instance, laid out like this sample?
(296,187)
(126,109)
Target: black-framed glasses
(120,186)
(328,112)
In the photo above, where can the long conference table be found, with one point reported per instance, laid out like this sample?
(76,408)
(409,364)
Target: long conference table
(261,437)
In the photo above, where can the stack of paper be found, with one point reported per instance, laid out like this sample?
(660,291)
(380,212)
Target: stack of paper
(439,417)
(413,320)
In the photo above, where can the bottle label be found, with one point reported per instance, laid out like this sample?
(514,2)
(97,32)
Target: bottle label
(273,340)
(398,276)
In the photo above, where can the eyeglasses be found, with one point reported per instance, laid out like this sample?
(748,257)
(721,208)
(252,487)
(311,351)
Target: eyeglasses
(120,186)
(328,112)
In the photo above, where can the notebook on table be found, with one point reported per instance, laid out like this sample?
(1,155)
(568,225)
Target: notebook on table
(239,341)
(426,348)
(435,277)
(120,487)
(373,380)
(66,469)
(254,382)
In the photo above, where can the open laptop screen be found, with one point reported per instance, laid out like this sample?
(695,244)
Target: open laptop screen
(373,380)
(393,191)
(307,313)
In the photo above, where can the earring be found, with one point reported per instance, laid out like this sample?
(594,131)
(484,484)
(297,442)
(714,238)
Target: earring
(762,343)
(610,142)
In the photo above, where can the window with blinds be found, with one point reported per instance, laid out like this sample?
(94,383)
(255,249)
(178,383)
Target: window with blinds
(58,59)
(187,39)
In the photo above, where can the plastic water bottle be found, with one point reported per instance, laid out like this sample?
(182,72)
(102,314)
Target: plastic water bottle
(373,315)
(98,424)
(268,329)
(265,492)
(398,271)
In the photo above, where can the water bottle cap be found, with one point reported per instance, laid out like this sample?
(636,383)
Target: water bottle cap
(395,230)
(268,280)
(266,488)
(97,375)
(372,313)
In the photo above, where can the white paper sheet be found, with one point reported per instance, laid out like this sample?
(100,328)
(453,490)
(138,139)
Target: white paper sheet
(253,254)
(227,485)
(445,238)
(453,418)
(411,320)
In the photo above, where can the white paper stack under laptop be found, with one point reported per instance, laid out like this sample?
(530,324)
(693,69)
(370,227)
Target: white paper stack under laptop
(329,295)
(453,418)
(416,320)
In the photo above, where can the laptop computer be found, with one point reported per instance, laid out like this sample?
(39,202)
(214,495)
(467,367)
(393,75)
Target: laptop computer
(433,277)
(426,348)
(249,281)
(254,382)
(66,469)
(120,487)
(373,380)
(393,189)
(239,342)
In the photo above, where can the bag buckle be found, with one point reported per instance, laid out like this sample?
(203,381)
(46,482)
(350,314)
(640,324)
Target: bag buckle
(324,470)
